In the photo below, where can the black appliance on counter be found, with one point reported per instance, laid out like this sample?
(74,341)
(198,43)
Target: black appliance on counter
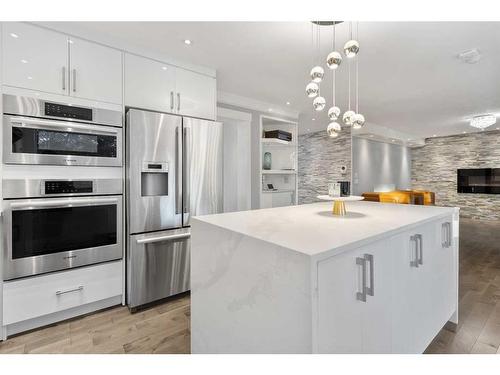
(478,181)
(279,134)
(345,188)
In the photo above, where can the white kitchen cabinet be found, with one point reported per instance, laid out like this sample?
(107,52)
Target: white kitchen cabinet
(95,71)
(354,290)
(196,94)
(149,84)
(39,59)
(35,58)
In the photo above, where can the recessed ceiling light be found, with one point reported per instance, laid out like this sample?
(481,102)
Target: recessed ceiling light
(483,121)
(270,109)
(471,56)
(24,61)
(14,35)
(164,67)
(187,41)
(70,41)
(287,103)
(313,119)
(30,77)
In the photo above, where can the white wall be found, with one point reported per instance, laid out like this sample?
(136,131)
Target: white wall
(376,163)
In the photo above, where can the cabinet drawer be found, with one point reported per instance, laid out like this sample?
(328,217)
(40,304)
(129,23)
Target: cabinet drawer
(42,295)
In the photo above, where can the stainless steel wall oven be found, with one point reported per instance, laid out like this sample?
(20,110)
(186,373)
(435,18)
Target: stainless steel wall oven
(36,131)
(52,225)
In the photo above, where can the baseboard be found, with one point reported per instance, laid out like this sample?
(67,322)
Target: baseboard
(45,320)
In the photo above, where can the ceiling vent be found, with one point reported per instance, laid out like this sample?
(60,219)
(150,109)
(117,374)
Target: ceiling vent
(471,56)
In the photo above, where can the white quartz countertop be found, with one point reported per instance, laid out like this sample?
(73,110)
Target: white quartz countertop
(311,229)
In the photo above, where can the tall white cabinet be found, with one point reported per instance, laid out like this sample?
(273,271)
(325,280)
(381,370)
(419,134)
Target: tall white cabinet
(39,59)
(159,86)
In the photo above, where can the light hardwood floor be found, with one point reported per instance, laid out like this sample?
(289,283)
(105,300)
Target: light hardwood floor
(166,328)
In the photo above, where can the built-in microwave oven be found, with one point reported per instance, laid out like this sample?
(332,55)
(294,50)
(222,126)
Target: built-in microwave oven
(52,225)
(36,131)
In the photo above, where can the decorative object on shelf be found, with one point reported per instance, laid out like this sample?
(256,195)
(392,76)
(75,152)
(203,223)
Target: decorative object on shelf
(278,134)
(266,164)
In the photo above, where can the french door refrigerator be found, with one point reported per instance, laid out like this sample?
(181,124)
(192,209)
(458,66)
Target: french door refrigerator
(173,172)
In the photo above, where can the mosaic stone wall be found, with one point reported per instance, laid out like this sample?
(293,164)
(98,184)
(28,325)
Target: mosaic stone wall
(434,167)
(320,161)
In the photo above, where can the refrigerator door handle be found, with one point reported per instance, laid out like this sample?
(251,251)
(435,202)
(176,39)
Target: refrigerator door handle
(178,172)
(186,170)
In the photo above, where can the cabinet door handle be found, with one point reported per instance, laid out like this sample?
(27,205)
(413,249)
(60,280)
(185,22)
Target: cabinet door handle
(78,289)
(370,290)
(421,248)
(361,296)
(64,78)
(74,80)
(172,101)
(414,241)
(178,102)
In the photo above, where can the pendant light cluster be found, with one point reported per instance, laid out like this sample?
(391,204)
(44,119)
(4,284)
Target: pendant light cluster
(333,61)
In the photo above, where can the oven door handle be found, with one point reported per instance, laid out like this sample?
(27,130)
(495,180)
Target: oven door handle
(53,203)
(66,125)
(168,237)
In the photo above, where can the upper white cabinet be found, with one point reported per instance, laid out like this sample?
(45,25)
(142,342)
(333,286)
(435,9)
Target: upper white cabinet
(150,84)
(95,71)
(35,58)
(43,60)
(196,94)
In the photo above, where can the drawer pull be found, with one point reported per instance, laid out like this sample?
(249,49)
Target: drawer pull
(60,292)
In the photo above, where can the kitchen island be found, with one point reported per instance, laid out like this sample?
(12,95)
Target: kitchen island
(382,279)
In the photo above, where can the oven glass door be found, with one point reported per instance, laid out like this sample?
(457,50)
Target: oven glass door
(44,235)
(42,141)
(53,230)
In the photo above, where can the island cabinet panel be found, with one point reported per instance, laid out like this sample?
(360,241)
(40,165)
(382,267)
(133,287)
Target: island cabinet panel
(352,308)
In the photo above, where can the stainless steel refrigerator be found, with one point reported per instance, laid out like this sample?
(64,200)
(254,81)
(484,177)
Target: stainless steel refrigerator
(173,172)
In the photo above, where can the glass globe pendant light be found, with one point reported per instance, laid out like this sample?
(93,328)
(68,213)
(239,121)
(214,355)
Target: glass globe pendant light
(358,120)
(317,74)
(334,113)
(319,103)
(312,89)
(351,47)
(334,59)
(333,129)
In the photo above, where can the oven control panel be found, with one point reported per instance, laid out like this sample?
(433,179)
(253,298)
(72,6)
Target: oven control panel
(67,111)
(67,187)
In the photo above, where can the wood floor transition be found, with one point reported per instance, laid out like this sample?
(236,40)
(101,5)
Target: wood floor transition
(165,328)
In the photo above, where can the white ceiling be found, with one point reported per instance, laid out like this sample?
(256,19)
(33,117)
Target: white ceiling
(410,77)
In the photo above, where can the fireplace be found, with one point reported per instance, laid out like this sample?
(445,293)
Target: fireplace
(478,181)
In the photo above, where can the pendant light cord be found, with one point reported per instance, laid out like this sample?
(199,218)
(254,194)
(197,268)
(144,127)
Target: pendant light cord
(333,77)
(357,74)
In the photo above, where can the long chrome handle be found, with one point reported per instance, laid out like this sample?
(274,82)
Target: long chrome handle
(444,236)
(370,290)
(414,240)
(186,170)
(61,203)
(361,296)
(169,237)
(74,80)
(78,289)
(178,171)
(178,102)
(449,237)
(68,126)
(172,101)
(421,248)
(64,78)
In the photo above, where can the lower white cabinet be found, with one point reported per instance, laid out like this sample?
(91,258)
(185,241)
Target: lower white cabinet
(41,295)
(391,296)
